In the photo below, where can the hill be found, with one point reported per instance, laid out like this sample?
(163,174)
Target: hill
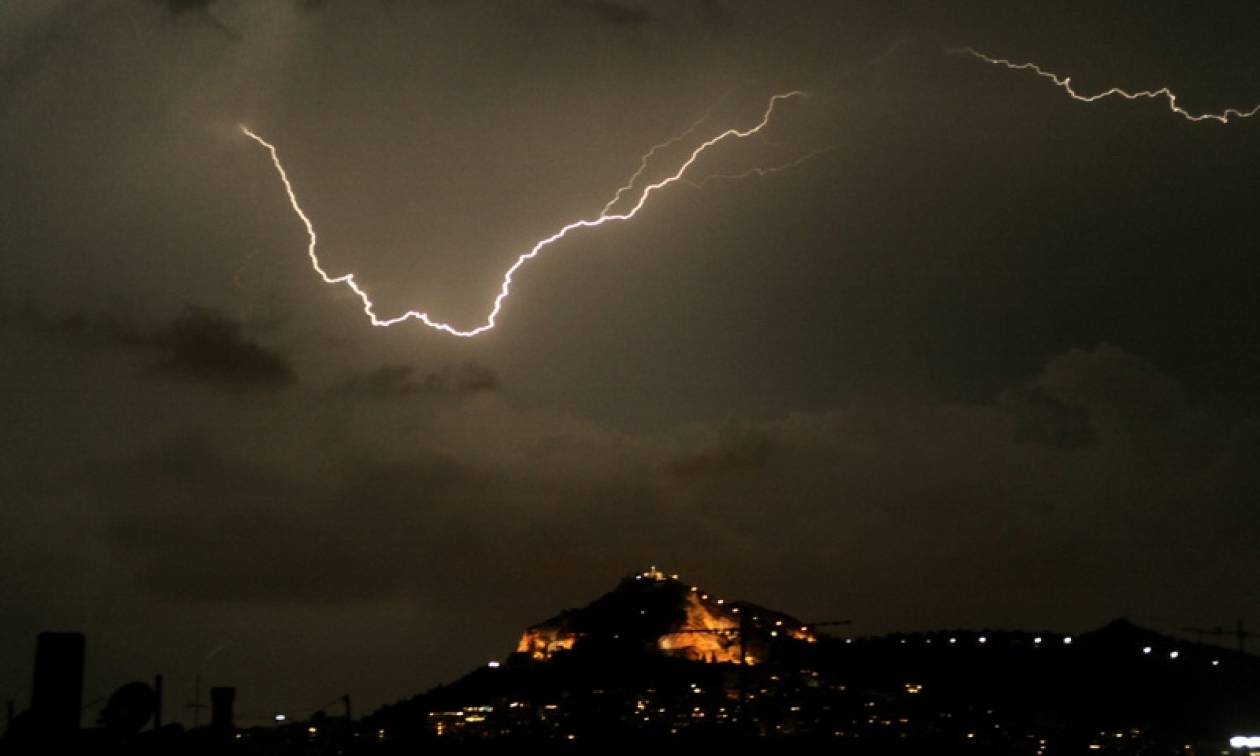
(657,658)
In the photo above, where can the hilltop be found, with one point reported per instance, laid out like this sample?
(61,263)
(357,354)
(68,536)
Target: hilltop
(657,657)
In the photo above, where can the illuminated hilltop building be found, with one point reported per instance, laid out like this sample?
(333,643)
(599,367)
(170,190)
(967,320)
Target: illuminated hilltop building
(653,610)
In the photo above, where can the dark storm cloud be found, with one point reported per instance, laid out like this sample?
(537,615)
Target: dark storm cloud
(900,488)
(206,346)
(178,7)
(175,510)
(396,381)
(202,11)
(200,345)
(1045,419)
(357,520)
(204,7)
(612,13)
(313,518)
(80,329)
(735,450)
(1129,398)
(28,53)
(198,522)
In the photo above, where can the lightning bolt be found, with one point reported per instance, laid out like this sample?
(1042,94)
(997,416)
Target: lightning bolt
(647,156)
(759,172)
(505,288)
(643,164)
(1065,83)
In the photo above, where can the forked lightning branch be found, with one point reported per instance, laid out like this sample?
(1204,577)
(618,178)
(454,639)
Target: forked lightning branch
(679,175)
(607,215)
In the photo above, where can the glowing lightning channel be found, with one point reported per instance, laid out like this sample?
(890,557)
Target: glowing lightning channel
(505,288)
(759,172)
(1065,83)
(647,156)
(643,163)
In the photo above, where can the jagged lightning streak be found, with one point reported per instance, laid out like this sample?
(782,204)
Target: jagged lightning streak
(1065,83)
(645,160)
(505,288)
(757,171)
(647,156)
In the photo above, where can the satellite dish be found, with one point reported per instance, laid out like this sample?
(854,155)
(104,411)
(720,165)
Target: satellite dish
(129,708)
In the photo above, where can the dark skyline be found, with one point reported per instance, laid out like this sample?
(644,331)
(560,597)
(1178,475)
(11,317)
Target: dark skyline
(990,361)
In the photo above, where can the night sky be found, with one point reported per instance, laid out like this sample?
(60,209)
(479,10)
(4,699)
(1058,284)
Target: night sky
(991,361)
